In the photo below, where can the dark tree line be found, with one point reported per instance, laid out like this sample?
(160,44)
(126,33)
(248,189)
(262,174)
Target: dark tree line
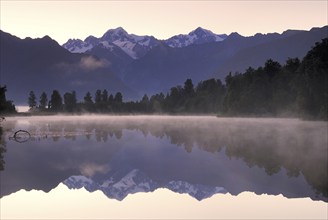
(205,98)
(6,106)
(100,102)
(3,148)
(297,88)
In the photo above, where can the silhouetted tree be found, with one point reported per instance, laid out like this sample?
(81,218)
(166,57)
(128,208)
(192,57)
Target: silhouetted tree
(98,97)
(271,67)
(157,102)
(5,105)
(145,99)
(3,91)
(189,88)
(104,96)
(88,98)
(110,99)
(292,64)
(175,100)
(70,101)
(43,101)
(56,102)
(88,103)
(32,100)
(209,96)
(145,104)
(118,97)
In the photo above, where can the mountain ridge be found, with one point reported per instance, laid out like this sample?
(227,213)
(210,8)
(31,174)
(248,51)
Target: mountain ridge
(291,44)
(43,65)
(137,46)
(197,36)
(133,45)
(135,181)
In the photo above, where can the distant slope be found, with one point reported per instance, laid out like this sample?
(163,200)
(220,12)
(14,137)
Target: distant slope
(43,65)
(115,55)
(295,44)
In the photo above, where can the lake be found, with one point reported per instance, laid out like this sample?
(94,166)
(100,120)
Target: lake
(163,167)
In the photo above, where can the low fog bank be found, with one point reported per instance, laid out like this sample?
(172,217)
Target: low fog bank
(285,137)
(224,127)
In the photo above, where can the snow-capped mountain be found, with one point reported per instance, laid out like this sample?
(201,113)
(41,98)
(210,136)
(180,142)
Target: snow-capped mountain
(133,182)
(77,46)
(137,46)
(137,181)
(195,190)
(197,36)
(133,45)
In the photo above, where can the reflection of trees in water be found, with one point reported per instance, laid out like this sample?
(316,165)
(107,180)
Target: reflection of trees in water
(299,147)
(102,133)
(2,149)
(298,151)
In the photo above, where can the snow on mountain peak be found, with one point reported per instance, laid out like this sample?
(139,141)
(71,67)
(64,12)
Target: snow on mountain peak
(136,181)
(195,190)
(115,34)
(133,45)
(201,32)
(92,40)
(77,46)
(137,46)
(197,36)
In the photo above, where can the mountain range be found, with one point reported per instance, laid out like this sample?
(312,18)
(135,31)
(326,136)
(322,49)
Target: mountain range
(118,187)
(138,46)
(135,65)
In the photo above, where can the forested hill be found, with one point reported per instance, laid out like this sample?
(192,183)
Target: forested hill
(298,88)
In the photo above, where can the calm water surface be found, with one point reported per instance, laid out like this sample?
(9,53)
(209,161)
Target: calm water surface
(199,156)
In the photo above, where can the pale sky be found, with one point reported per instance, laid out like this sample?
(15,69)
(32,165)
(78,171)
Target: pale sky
(163,203)
(62,20)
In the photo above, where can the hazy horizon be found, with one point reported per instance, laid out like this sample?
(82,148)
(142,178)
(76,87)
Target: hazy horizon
(161,19)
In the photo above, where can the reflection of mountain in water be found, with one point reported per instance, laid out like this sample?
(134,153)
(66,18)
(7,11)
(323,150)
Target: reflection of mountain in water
(280,147)
(137,181)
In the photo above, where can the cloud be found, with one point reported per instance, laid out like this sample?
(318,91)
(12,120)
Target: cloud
(86,64)
(90,63)
(90,169)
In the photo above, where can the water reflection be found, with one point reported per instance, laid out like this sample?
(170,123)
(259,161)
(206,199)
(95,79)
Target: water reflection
(200,156)
(161,204)
(2,147)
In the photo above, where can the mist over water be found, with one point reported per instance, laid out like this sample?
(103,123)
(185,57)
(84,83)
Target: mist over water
(261,155)
(22,108)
